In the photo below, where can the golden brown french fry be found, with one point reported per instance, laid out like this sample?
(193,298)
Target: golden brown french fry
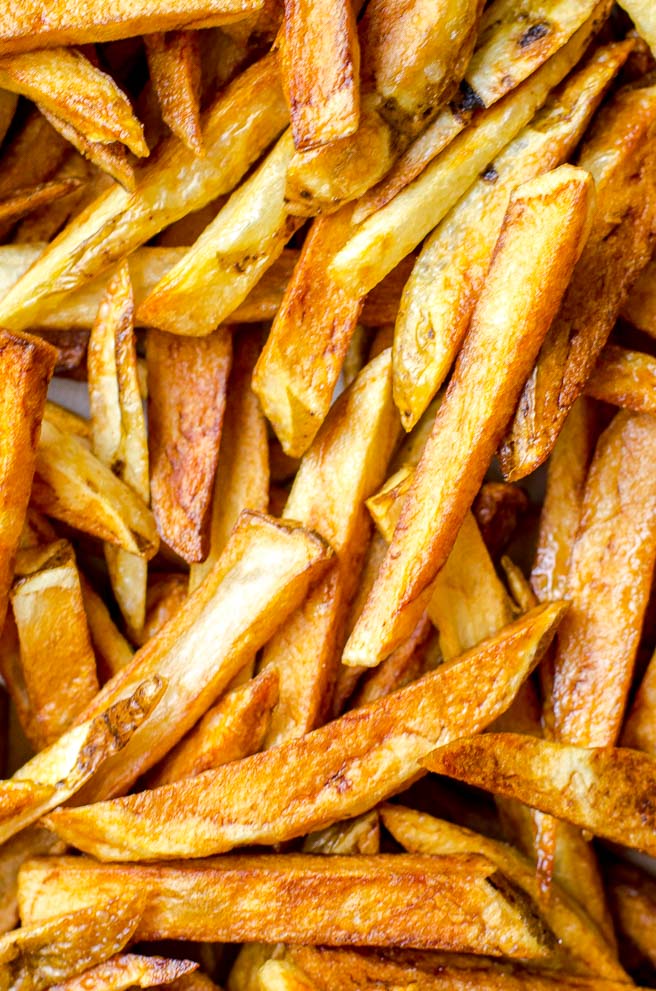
(59,771)
(112,650)
(45,223)
(128,970)
(282,975)
(64,82)
(242,121)
(260,579)
(244,971)
(512,43)
(619,153)
(608,584)
(543,232)
(119,429)
(59,666)
(419,833)
(72,485)
(624,378)
(69,423)
(639,728)
(643,16)
(347,460)
(633,895)
(112,158)
(640,307)
(230,256)
(404,665)
(8,102)
(165,597)
(379,243)
(23,201)
(174,64)
(441,293)
(605,790)
(242,474)
(32,155)
(26,365)
(41,955)
(22,29)
(519,585)
(301,785)
(359,835)
(35,841)
(234,728)
(185,432)
(329,900)
(498,508)
(321,67)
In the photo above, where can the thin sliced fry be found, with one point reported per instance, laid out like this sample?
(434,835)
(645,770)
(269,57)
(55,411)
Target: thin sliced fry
(340,770)
(241,122)
(23,201)
(542,236)
(184,434)
(606,790)
(128,970)
(174,63)
(229,899)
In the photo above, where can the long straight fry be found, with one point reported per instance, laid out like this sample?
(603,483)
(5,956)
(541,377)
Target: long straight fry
(329,900)
(241,122)
(543,232)
(340,770)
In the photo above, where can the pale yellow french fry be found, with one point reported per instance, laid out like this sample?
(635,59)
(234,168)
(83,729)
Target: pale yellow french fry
(241,122)
(544,231)
(346,461)
(298,787)
(230,256)
(282,975)
(174,64)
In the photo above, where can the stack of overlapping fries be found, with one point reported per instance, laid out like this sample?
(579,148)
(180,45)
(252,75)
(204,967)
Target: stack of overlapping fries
(326,586)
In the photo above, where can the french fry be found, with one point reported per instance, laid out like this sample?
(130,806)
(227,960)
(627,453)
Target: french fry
(639,728)
(234,728)
(321,67)
(229,900)
(111,158)
(299,787)
(68,85)
(242,474)
(129,970)
(379,243)
(422,834)
(605,790)
(11,669)
(642,14)
(404,665)
(619,154)
(281,975)
(119,429)
(511,44)
(229,257)
(624,378)
(51,951)
(634,903)
(72,485)
(346,461)
(43,224)
(295,392)
(640,307)
(165,597)
(112,650)
(505,335)
(59,666)
(174,63)
(32,156)
(23,201)
(440,295)
(359,835)
(497,508)
(244,972)
(59,771)
(35,841)
(26,364)
(184,433)
(241,122)
(21,29)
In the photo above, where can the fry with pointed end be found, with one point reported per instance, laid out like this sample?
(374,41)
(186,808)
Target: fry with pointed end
(338,771)
(422,834)
(119,429)
(606,790)
(57,659)
(112,650)
(346,462)
(234,728)
(112,158)
(624,378)
(242,473)
(185,427)
(129,970)
(26,365)
(449,274)
(620,155)
(230,256)
(544,230)
(461,903)
(174,64)
(321,69)
(242,121)
(59,771)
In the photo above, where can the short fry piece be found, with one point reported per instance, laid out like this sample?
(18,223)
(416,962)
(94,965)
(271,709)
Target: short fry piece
(128,970)
(299,787)
(174,63)
(542,236)
(606,790)
(624,378)
(185,427)
(229,899)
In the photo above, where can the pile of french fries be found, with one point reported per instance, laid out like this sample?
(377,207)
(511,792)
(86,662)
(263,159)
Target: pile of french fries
(327,594)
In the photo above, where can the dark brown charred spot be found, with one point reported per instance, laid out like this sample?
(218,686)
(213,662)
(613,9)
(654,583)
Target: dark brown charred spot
(533,34)
(467,100)
(490,175)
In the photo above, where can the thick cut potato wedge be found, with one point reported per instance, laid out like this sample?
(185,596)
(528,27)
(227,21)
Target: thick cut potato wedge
(174,63)
(329,900)
(544,230)
(340,770)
